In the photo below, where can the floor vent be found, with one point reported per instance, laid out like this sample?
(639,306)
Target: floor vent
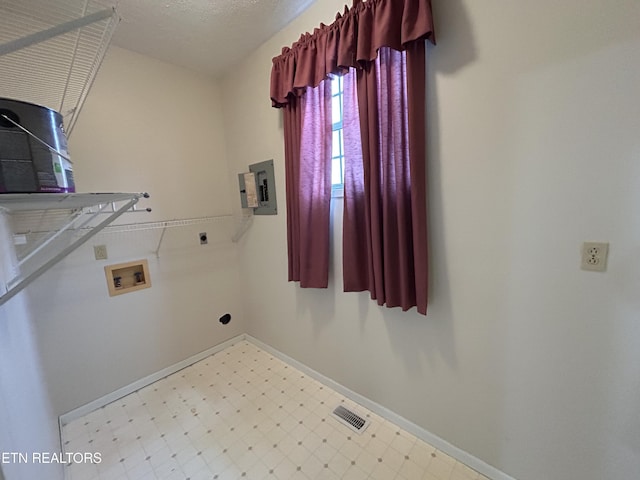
(350,419)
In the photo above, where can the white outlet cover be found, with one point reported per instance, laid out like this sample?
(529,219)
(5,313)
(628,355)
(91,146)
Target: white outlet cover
(594,256)
(100,252)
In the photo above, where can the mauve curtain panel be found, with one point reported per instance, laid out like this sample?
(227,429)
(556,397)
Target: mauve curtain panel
(390,201)
(314,186)
(384,234)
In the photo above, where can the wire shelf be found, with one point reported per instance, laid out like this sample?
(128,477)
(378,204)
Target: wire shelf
(45,60)
(185,222)
(77,219)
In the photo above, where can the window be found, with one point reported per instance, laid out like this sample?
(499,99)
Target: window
(337,149)
(384,238)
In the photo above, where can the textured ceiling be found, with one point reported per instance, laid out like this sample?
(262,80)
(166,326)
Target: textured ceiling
(209,36)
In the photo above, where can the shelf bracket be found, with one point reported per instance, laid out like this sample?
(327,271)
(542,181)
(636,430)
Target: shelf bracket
(76,217)
(164,230)
(245,223)
(20,282)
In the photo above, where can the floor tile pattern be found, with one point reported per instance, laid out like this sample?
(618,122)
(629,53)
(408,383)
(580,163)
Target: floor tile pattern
(244,414)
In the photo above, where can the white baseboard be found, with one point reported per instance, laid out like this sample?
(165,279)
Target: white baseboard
(437,442)
(442,445)
(143,382)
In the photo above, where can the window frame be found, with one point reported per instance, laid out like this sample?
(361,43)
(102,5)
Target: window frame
(337,92)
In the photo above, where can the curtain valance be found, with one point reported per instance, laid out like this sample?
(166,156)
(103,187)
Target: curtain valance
(351,41)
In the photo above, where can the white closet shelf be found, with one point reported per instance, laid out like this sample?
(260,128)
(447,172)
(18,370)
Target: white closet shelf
(23,202)
(50,52)
(85,217)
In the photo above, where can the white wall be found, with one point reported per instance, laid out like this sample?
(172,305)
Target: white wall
(524,360)
(27,421)
(151,126)
(146,126)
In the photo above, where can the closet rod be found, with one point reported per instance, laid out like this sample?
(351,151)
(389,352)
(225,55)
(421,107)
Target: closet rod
(241,229)
(130,227)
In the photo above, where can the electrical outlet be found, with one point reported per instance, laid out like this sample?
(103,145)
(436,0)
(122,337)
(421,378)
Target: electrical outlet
(100,252)
(594,256)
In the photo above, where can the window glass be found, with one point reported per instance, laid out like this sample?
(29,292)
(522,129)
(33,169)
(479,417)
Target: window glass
(337,152)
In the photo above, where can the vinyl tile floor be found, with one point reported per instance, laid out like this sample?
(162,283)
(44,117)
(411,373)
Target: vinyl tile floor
(244,414)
